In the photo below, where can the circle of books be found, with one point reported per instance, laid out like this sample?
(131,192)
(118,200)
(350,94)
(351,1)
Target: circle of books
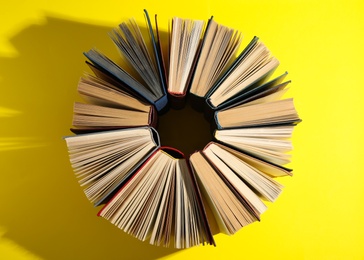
(157,193)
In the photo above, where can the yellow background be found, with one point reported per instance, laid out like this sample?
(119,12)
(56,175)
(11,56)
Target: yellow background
(43,212)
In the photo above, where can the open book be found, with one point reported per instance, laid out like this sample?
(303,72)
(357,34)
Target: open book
(252,67)
(109,107)
(233,184)
(220,44)
(185,41)
(260,106)
(131,44)
(279,112)
(104,161)
(268,143)
(161,203)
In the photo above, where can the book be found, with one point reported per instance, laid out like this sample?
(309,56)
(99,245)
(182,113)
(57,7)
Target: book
(214,154)
(230,210)
(162,59)
(186,37)
(161,203)
(103,161)
(249,70)
(233,185)
(152,191)
(258,113)
(108,107)
(131,44)
(271,90)
(220,44)
(271,143)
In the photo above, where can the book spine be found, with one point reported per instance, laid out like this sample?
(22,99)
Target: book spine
(153,117)
(155,137)
(161,104)
(209,106)
(173,152)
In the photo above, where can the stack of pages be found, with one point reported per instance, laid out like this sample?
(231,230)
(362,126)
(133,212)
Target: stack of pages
(157,193)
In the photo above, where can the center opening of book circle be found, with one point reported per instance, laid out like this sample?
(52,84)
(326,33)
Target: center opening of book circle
(186,129)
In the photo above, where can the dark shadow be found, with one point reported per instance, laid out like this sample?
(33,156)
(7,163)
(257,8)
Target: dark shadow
(43,209)
(185,129)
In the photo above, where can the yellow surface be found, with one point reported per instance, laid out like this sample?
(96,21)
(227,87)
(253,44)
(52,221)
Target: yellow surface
(43,212)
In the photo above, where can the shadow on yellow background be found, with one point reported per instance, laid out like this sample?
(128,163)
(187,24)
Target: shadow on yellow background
(43,209)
